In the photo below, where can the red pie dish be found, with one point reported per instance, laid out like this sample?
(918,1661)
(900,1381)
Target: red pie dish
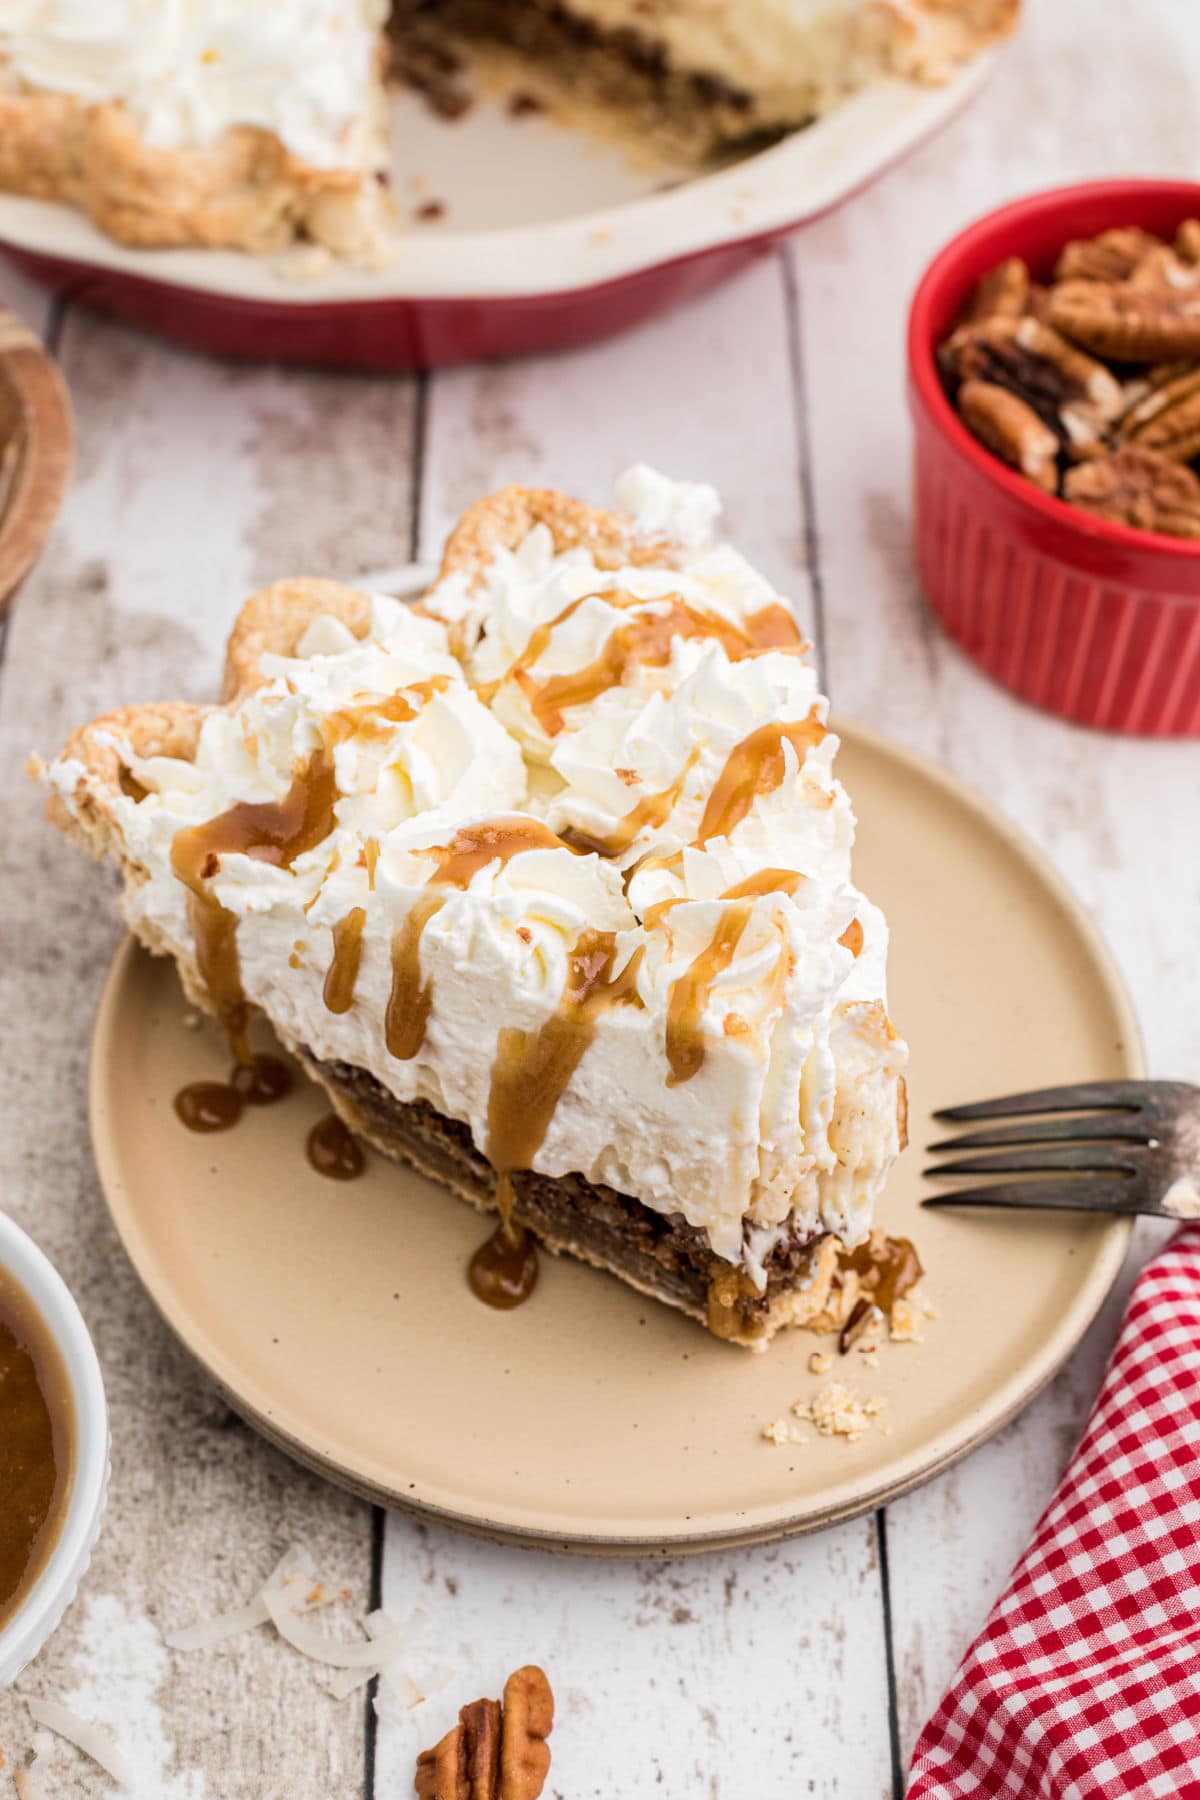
(534,238)
(1096,621)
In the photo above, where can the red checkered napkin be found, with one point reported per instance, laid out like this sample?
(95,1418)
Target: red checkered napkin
(1085,1682)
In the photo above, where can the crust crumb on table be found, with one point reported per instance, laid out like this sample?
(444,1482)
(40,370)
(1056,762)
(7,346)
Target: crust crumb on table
(820,1362)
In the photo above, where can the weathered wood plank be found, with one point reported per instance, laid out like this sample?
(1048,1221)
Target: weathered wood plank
(750,1673)
(195,483)
(1115,815)
(761,1671)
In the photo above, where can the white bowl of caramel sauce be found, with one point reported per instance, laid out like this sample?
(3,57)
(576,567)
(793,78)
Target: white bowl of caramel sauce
(53,1448)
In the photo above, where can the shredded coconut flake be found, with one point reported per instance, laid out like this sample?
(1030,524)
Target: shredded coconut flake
(206,1633)
(335,1653)
(86,1735)
(290,1591)
(30,1782)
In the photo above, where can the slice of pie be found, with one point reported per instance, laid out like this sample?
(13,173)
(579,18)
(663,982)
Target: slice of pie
(546,880)
(254,123)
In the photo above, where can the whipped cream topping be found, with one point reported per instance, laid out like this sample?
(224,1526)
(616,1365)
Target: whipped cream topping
(187,70)
(614,809)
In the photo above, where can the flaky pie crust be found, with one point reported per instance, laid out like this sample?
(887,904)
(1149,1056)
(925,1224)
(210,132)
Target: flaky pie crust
(247,191)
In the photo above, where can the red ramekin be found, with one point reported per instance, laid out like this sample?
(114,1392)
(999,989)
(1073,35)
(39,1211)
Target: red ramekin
(1097,622)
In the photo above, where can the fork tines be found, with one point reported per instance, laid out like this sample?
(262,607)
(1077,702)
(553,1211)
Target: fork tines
(1096,1153)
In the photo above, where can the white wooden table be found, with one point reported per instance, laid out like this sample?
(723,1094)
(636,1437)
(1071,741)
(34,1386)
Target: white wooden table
(803,1669)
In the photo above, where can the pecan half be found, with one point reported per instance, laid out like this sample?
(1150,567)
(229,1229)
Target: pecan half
(1126,323)
(1009,427)
(1167,418)
(1112,256)
(1138,487)
(1187,241)
(528,1722)
(1038,303)
(1068,390)
(1162,268)
(1002,294)
(498,1749)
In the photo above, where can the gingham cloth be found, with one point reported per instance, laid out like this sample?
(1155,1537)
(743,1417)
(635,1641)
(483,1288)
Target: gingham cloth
(1085,1682)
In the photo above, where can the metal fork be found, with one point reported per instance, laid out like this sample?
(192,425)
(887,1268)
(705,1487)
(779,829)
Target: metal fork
(1127,1147)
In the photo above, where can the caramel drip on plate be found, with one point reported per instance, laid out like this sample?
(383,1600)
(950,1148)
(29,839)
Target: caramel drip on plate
(644,640)
(852,937)
(347,955)
(208,1105)
(471,849)
(332,1151)
(755,766)
(503,1271)
(690,994)
(270,831)
(532,1068)
(765,881)
(216,1105)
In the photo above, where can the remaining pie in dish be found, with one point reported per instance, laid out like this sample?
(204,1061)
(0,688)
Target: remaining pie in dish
(252,123)
(547,881)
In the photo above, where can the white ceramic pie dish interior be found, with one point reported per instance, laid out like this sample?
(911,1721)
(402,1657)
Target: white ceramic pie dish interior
(55,1588)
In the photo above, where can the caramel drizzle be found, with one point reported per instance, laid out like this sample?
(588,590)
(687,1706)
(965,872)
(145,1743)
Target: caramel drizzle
(471,849)
(690,994)
(270,831)
(765,881)
(756,766)
(372,716)
(645,640)
(342,975)
(533,1068)
(852,938)
(686,1048)
(651,811)
(130,786)
(410,1001)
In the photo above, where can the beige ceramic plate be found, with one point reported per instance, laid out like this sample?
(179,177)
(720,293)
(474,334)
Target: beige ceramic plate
(337,1319)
